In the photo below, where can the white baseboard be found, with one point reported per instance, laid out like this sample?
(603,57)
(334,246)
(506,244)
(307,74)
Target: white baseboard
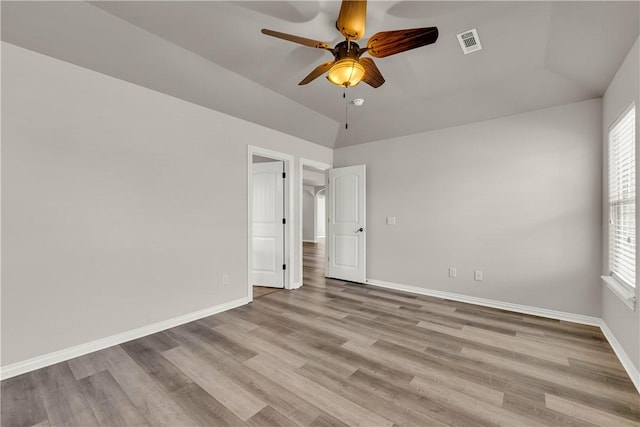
(296,285)
(309,241)
(38,362)
(625,360)
(518,308)
(80,350)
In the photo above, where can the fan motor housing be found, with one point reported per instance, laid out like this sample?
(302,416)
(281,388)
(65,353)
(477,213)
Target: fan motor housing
(346,49)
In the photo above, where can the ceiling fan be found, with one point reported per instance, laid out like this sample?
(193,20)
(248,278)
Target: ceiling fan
(348,68)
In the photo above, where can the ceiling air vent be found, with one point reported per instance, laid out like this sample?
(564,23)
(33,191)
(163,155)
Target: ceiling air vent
(469,41)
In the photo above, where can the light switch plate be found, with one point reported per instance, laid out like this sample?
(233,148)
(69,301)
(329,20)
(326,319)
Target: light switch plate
(391,220)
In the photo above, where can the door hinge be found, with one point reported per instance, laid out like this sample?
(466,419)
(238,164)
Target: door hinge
(284,220)
(284,174)
(284,266)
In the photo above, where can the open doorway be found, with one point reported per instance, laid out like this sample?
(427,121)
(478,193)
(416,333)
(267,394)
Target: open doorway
(268,225)
(313,216)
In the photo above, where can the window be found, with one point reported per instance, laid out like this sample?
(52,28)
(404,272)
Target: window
(622,198)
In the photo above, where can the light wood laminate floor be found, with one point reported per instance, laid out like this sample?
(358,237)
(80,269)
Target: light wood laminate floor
(260,291)
(336,354)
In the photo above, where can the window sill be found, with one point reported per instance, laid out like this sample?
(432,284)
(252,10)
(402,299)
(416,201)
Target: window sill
(624,292)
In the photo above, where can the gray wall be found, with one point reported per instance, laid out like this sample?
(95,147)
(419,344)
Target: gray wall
(624,89)
(517,197)
(121,214)
(122,206)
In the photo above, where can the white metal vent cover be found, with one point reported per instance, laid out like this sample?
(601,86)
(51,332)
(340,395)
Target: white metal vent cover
(469,41)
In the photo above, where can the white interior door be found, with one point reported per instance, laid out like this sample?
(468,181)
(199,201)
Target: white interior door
(267,225)
(347,225)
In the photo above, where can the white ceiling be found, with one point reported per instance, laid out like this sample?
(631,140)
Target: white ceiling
(535,55)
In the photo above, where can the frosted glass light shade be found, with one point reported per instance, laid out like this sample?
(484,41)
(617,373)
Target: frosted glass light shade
(346,72)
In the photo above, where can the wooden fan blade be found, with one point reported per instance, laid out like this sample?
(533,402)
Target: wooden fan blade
(296,39)
(352,19)
(391,42)
(372,76)
(317,72)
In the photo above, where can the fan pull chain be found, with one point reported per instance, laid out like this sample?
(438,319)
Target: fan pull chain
(346,109)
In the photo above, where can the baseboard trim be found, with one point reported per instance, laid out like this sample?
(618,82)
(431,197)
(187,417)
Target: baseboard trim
(309,241)
(48,359)
(38,362)
(518,308)
(625,360)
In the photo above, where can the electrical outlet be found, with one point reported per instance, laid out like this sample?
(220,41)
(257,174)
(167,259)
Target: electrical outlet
(225,279)
(452,272)
(477,275)
(391,220)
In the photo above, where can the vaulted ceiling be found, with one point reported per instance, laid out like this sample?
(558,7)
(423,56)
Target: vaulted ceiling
(535,55)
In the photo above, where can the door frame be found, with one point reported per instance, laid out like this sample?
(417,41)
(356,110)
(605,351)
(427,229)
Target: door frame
(288,160)
(317,165)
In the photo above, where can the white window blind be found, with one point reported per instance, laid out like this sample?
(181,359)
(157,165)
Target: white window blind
(622,198)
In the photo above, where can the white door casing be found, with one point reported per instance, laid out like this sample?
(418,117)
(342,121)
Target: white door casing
(267,224)
(347,225)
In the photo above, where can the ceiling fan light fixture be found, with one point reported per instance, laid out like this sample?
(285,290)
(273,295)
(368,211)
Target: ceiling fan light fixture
(349,68)
(346,72)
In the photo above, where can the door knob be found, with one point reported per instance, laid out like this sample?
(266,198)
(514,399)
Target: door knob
(360,230)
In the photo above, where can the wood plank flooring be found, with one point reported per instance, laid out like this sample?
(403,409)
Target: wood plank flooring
(336,354)
(260,291)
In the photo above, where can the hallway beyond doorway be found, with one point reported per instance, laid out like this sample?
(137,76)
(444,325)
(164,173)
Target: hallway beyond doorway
(313,261)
